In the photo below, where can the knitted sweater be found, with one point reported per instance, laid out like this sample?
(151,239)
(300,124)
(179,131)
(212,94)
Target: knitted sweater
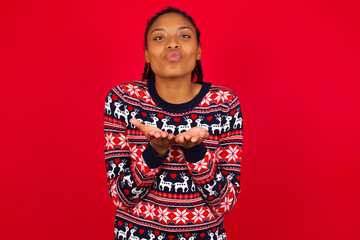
(185,194)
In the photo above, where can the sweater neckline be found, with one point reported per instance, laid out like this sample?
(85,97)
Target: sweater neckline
(177,107)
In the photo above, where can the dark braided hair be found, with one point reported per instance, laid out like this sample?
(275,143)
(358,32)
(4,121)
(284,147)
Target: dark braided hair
(148,73)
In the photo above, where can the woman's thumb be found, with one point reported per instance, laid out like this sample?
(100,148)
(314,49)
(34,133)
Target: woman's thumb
(137,124)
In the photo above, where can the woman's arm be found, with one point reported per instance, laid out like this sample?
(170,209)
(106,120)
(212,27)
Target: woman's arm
(217,174)
(131,169)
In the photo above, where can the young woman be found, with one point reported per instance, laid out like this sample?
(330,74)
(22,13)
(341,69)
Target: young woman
(172,144)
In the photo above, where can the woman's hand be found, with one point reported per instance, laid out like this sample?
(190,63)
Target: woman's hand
(192,137)
(160,140)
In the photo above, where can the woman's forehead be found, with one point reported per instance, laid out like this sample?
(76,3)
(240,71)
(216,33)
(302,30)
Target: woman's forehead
(171,20)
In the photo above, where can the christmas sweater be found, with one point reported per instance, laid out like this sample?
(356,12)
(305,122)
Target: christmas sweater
(185,194)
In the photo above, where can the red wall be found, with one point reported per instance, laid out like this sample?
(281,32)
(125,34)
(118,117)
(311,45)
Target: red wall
(294,65)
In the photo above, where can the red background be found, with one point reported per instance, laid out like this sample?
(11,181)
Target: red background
(294,65)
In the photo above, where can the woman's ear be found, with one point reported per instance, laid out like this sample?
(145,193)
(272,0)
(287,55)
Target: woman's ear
(198,54)
(147,56)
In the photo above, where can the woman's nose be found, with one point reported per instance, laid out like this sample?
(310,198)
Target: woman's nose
(173,43)
(173,46)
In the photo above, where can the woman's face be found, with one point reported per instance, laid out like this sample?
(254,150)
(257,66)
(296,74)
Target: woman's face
(172,46)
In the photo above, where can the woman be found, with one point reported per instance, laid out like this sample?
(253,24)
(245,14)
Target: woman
(172,144)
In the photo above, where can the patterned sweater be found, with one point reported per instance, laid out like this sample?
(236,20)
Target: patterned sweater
(185,194)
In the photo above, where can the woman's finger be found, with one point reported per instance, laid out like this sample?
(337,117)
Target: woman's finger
(138,125)
(157,134)
(164,134)
(170,136)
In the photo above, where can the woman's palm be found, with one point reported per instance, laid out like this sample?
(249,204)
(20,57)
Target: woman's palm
(161,140)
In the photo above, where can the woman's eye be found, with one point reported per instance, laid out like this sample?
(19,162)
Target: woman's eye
(182,36)
(157,38)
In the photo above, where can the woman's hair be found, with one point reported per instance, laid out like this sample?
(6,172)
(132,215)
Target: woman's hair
(148,73)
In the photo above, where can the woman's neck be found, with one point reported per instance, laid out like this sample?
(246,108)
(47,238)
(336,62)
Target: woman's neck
(176,90)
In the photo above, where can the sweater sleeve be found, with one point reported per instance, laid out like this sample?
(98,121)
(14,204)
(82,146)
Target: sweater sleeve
(131,169)
(217,173)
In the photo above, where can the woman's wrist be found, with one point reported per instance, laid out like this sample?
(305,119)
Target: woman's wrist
(158,152)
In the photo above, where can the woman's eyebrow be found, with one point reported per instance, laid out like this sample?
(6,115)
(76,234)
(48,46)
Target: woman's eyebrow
(163,29)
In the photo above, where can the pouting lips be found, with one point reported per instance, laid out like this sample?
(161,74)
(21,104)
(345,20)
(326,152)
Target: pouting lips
(173,56)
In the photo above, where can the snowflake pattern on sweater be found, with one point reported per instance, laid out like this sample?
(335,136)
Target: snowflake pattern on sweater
(185,194)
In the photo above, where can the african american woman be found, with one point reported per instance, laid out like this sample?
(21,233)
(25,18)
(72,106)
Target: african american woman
(173,143)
